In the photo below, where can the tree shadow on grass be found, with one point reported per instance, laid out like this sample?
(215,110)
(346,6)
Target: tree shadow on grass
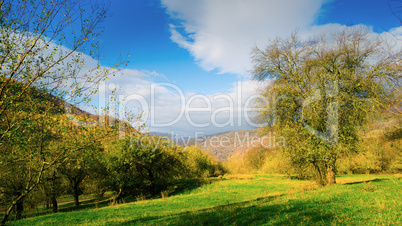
(186,185)
(179,187)
(366,181)
(86,204)
(90,203)
(255,212)
(174,187)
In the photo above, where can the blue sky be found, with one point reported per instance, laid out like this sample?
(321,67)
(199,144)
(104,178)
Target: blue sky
(203,48)
(141,27)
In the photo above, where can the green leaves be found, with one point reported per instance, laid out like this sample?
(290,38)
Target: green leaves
(37,57)
(322,91)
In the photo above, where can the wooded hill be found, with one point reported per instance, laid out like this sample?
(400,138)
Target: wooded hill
(47,152)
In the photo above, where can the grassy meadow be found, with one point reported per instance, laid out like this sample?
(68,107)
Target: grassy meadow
(249,199)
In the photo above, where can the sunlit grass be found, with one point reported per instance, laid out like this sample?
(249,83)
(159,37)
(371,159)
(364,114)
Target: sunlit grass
(256,199)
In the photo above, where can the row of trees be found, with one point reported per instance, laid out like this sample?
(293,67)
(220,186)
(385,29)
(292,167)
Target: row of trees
(138,165)
(46,148)
(147,165)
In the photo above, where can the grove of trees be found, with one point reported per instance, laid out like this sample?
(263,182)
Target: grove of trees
(44,153)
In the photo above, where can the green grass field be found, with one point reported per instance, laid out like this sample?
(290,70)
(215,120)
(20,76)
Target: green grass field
(254,199)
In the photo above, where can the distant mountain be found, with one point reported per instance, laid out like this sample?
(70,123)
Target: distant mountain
(174,138)
(159,134)
(227,144)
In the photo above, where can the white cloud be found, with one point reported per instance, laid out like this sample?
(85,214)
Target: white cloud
(168,108)
(221,33)
(141,73)
(390,41)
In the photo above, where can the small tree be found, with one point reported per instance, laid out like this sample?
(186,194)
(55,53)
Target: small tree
(39,41)
(201,164)
(52,187)
(140,162)
(79,166)
(319,92)
(255,157)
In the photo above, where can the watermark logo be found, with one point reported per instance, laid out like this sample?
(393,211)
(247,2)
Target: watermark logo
(204,111)
(235,139)
(165,105)
(331,135)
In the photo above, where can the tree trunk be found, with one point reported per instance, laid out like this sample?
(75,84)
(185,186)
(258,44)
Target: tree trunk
(18,204)
(331,174)
(21,197)
(117,198)
(54,204)
(54,193)
(153,187)
(152,180)
(5,218)
(47,203)
(320,174)
(75,184)
(76,195)
(19,208)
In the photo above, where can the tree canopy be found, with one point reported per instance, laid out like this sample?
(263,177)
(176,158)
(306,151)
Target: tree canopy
(319,91)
